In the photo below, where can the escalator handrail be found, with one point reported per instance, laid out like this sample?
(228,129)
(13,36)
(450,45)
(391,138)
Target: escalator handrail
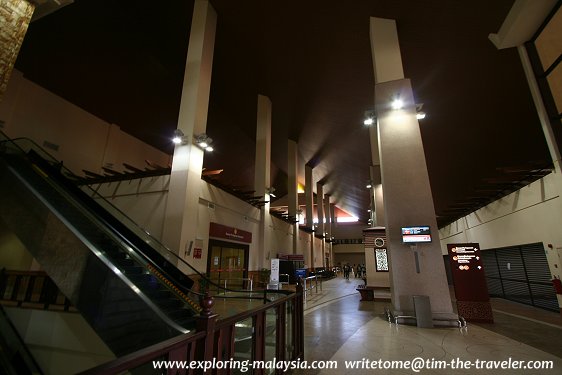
(153,240)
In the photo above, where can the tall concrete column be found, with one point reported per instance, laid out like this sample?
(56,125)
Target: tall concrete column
(262,179)
(414,270)
(15,16)
(320,231)
(377,205)
(333,224)
(309,197)
(180,222)
(293,194)
(328,230)
(309,201)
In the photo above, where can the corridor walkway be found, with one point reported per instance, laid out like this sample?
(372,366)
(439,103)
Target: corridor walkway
(340,328)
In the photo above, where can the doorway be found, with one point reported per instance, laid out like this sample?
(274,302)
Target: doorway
(228,262)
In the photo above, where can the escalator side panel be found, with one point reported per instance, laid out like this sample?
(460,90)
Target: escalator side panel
(60,253)
(113,309)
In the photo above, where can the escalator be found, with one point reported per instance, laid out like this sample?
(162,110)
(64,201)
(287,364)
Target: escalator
(132,295)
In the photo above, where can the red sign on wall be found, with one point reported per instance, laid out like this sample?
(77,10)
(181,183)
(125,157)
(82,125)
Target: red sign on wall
(229,233)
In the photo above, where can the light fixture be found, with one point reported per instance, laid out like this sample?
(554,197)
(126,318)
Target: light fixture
(397,103)
(271,192)
(179,137)
(419,113)
(370,118)
(369,185)
(203,141)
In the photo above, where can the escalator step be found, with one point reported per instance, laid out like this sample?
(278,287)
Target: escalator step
(125,262)
(168,303)
(133,270)
(158,294)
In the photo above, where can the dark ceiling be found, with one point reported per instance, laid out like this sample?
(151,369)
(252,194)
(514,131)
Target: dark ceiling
(123,61)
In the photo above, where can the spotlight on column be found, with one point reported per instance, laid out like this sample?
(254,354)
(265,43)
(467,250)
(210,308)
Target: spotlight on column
(370,118)
(179,137)
(397,103)
(271,192)
(369,185)
(419,113)
(203,141)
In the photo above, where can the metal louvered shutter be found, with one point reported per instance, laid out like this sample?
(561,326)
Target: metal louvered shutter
(520,274)
(512,271)
(493,278)
(538,275)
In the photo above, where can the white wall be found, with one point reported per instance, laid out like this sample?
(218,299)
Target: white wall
(84,140)
(530,215)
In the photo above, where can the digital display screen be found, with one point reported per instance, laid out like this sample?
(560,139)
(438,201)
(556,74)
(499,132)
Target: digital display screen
(416,234)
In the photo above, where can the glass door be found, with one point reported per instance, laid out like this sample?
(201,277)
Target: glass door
(228,264)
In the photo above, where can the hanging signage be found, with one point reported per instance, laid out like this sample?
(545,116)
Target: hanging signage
(469,279)
(229,233)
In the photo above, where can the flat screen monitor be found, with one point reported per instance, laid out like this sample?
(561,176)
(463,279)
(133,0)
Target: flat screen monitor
(416,234)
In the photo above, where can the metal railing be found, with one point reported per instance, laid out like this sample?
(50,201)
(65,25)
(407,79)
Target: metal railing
(245,335)
(226,282)
(460,321)
(311,282)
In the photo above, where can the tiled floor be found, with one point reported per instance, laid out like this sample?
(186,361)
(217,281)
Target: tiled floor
(340,328)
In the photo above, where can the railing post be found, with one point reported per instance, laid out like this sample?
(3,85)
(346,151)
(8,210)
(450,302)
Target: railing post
(206,323)
(316,279)
(298,334)
(280,329)
(259,339)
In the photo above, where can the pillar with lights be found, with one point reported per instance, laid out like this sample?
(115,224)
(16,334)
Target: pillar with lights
(262,178)
(416,269)
(319,258)
(309,201)
(293,206)
(180,224)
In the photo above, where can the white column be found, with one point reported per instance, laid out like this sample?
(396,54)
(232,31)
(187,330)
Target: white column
(320,230)
(328,229)
(293,194)
(407,193)
(262,177)
(309,197)
(309,200)
(180,223)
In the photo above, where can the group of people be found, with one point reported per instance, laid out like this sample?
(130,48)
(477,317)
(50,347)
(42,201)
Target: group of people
(359,271)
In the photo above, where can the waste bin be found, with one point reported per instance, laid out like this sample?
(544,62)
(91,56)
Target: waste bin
(422,308)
